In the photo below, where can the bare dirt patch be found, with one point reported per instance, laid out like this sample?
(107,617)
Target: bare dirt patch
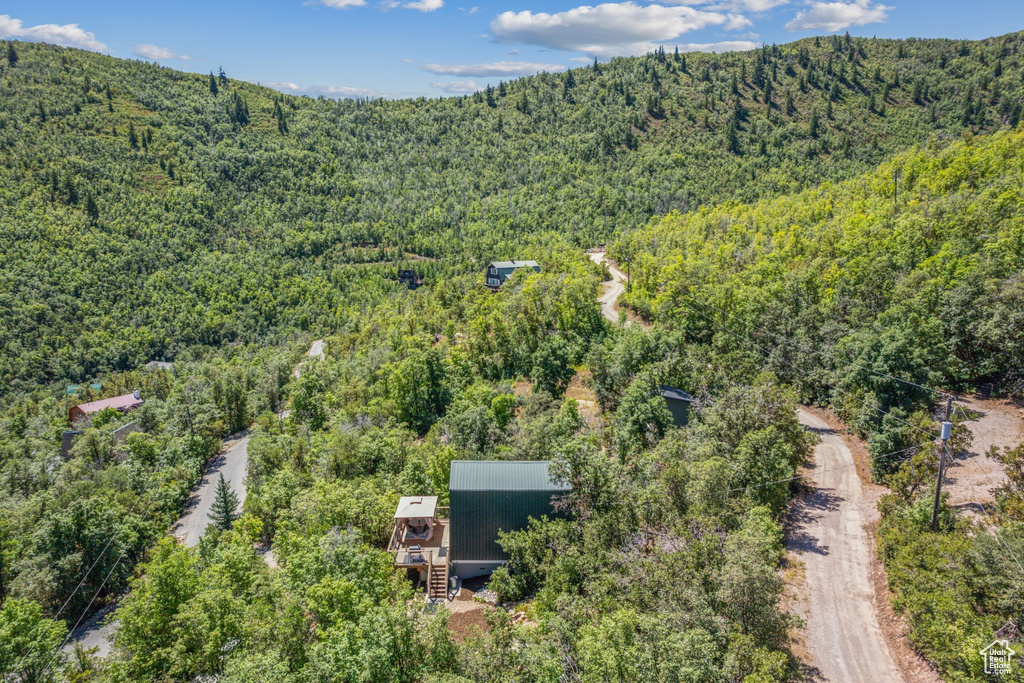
(468,615)
(522,388)
(972,476)
(578,389)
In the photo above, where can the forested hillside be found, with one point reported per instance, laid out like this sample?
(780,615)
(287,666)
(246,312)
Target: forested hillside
(150,210)
(819,222)
(866,301)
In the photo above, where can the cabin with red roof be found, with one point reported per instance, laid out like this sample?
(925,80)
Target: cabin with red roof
(122,404)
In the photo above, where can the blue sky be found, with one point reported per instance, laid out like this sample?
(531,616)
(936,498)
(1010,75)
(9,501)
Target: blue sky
(405,48)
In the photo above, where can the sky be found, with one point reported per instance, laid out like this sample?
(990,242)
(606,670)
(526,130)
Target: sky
(411,48)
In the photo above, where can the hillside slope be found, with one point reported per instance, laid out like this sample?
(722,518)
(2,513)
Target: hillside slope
(148,213)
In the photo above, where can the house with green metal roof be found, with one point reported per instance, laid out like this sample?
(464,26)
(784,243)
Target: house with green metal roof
(485,497)
(488,496)
(498,272)
(678,402)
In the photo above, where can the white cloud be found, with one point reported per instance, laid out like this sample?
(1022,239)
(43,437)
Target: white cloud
(835,16)
(584,60)
(421,5)
(342,4)
(755,6)
(337,91)
(67,34)
(424,5)
(491,69)
(723,46)
(609,29)
(147,51)
(735,22)
(458,87)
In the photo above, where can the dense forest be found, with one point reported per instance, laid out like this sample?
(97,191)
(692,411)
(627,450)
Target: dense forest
(864,298)
(151,211)
(819,222)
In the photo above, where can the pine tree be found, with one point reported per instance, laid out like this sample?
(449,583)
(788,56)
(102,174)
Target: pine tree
(221,76)
(91,209)
(213,84)
(224,510)
(12,54)
(133,139)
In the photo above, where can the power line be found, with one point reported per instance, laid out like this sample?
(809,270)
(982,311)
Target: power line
(831,355)
(863,402)
(82,583)
(828,469)
(86,610)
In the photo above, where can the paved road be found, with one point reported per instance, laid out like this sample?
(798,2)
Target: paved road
(93,634)
(232,462)
(611,290)
(827,530)
(316,350)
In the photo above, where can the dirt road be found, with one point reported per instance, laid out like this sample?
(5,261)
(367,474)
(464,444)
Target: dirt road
(827,532)
(611,290)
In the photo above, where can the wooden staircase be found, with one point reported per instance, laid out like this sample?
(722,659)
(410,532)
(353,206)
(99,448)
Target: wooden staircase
(437,582)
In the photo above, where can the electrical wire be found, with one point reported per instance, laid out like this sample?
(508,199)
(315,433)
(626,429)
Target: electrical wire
(863,403)
(82,583)
(829,469)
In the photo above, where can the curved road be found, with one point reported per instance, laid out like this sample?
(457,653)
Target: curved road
(827,529)
(611,290)
(232,462)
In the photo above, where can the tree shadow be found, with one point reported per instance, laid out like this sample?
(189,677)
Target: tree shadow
(803,512)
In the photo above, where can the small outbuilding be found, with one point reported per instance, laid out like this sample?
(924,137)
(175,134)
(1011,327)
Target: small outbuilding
(122,404)
(498,272)
(409,278)
(73,389)
(678,402)
(488,496)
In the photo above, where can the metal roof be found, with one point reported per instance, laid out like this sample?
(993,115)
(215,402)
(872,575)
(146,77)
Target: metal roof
(502,475)
(122,403)
(410,507)
(503,265)
(672,392)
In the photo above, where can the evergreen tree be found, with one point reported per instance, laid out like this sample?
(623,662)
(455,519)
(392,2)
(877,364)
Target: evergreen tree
(91,209)
(133,139)
(12,54)
(221,76)
(213,84)
(224,510)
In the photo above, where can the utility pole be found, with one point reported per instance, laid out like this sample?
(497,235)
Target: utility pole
(947,430)
(188,413)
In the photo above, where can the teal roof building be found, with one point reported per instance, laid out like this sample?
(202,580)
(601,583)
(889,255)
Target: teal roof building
(488,496)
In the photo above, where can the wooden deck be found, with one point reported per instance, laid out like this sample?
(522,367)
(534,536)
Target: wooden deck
(435,550)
